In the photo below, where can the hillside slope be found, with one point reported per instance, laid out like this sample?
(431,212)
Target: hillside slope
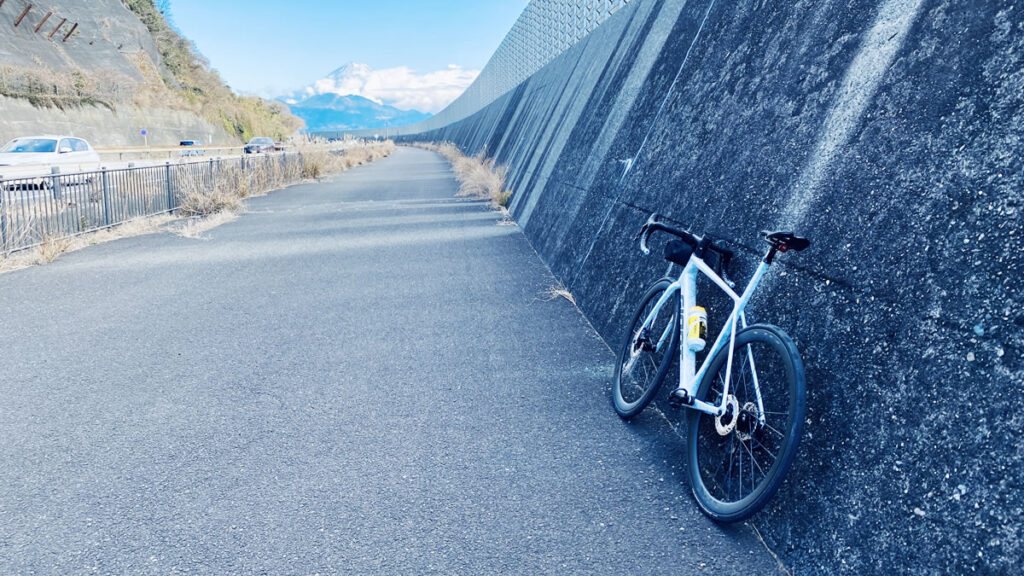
(108,69)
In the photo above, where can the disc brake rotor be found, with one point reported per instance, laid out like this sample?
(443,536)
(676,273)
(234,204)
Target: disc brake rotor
(726,423)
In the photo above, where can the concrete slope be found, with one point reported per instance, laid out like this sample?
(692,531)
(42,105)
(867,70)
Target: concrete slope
(889,132)
(360,376)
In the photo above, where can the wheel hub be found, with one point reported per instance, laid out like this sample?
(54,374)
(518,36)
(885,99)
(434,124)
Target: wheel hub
(638,343)
(747,422)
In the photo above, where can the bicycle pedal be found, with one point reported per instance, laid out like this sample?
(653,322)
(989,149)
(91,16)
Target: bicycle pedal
(679,398)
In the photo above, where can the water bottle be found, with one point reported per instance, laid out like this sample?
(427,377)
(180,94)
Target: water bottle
(696,328)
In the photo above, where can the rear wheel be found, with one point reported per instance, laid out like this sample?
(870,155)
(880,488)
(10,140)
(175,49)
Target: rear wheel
(646,353)
(737,461)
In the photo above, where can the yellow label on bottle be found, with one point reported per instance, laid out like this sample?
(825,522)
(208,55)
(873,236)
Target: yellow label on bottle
(698,328)
(697,324)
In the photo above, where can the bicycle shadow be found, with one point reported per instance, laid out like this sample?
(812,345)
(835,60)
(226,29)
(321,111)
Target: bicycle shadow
(662,431)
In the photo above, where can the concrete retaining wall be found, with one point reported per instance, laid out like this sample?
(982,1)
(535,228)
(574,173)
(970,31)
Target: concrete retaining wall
(105,128)
(890,133)
(109,44)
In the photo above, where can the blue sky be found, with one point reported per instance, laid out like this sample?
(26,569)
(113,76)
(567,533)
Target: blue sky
(270,47)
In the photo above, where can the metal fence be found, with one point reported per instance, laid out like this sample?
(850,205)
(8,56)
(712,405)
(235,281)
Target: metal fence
(37,209)
(545,29)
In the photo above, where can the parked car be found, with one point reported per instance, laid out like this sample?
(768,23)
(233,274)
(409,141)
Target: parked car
(190,148)
(71,154)
(259,144)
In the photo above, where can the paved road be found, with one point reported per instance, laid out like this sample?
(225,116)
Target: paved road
(358,376)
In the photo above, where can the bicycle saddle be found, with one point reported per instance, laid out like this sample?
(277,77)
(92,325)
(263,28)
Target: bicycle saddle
(787,241)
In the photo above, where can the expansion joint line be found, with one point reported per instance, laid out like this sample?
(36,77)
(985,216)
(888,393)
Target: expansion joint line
(632,161)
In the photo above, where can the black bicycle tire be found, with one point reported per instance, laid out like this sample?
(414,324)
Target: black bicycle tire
(626,409)
(796,383)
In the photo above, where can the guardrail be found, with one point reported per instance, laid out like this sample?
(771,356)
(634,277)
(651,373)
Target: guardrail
(173,153)
(36,209)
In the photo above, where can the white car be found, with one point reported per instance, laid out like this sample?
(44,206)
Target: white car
(37,155)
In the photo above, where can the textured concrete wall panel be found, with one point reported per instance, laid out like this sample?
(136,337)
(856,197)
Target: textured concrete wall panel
(889,132)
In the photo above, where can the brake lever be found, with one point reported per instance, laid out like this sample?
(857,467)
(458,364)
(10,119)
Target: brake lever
(644,230)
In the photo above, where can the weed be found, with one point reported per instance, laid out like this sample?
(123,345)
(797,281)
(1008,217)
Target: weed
(478,176)
(207,198)
(53,247)
(195,227)
(320,158)
(559,291)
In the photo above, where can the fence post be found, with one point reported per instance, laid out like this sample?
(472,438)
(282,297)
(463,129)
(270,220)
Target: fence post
(211,174)
(170,189)
(3,217)
(55,181)
(106,197)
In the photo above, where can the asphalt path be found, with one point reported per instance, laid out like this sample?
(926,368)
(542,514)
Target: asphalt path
(358,376)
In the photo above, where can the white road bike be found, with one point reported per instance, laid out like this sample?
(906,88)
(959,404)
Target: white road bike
(747,398)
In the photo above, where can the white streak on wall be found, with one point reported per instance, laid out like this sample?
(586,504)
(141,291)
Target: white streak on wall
(864,76)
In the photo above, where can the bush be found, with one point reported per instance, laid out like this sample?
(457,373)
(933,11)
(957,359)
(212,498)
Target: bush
(477,175)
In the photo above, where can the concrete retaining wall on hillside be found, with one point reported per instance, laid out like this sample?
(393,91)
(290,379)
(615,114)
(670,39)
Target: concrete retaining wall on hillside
(888,131)
(109,44)
(104,128)
(106,36)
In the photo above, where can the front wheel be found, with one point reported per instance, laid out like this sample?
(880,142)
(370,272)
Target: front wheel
(650,344)
(737,461)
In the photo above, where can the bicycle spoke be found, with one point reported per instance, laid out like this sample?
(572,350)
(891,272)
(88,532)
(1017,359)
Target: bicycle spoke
(740,495)
(743,376)
(766,449)
(754,461)
(769,427)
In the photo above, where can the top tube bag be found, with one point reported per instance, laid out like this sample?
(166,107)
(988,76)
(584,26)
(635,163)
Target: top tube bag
(678,252)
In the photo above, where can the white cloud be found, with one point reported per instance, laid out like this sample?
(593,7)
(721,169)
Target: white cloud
(400,87)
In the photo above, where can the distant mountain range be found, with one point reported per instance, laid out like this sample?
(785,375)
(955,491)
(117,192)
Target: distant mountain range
(334,103)
(329,112)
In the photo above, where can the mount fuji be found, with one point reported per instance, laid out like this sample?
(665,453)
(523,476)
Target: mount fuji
(356,96)
(330,112)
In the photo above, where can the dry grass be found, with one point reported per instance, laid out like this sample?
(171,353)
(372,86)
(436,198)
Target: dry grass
(478,176)
(53,248)
(206,207)
(320,158)
(65,89)
(263,174)
(195,201)
(559,291)
(195,228)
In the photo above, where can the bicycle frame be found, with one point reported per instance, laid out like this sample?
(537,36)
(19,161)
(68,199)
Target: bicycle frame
(689,376)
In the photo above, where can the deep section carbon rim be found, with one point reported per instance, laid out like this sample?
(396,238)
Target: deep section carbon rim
(738,460)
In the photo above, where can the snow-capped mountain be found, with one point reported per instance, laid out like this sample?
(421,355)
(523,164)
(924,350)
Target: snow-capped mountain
(349,79)
(399,91)
(330,112)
